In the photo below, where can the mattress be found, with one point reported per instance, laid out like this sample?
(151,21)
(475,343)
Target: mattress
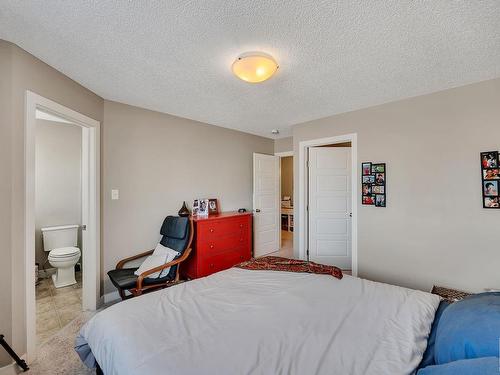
(263,322)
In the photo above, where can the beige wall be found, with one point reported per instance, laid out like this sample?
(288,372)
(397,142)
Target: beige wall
(58,193)
(157,161)
(5,195)
(26,73)
(287,176)
(434,229)
(283,144)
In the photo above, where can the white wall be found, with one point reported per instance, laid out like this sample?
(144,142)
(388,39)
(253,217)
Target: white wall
(58,178)
(434,229)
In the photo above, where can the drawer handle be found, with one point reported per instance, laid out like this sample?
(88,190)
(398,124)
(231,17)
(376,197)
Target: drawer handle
(241,257)
(211,246)
(241,225)
(211,265)
(241,239)
(211,230)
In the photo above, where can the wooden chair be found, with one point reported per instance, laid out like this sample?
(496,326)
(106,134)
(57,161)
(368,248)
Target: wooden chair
(177,234)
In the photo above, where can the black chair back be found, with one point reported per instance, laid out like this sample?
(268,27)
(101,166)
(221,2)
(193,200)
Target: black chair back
(176,233)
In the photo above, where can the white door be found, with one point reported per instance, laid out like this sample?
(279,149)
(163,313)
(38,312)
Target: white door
(330,206)
(266,204)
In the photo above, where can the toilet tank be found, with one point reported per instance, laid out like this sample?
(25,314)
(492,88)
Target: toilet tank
(61,236)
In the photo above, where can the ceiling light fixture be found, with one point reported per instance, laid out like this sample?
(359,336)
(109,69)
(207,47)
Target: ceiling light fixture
(254,67)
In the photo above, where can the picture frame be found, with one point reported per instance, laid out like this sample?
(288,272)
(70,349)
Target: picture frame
(490,179)
(491,174)
(366,168)
(373,187)
(378,168)
(196,206)
(368,179)
(203,207)
(213,206)
(490,188)
(368,200)
(379,200)
(489,159)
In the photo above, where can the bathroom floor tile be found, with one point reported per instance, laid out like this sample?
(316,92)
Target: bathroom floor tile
(43,292)
(62,300)
(65,290)
(56,307)
(44,305)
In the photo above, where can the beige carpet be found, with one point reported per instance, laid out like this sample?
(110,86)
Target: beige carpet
(56,356)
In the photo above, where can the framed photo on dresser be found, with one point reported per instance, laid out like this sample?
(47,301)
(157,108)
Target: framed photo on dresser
(213,206)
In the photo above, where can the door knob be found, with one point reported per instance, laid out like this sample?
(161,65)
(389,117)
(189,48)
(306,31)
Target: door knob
(257,210)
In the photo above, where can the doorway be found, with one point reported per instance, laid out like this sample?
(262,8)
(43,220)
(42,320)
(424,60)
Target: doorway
(88,227)
(327,204)
(286,207)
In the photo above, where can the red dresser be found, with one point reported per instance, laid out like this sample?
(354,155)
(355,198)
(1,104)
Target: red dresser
(220,242)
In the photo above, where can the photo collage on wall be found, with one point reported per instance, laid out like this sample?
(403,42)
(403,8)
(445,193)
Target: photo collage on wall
(373,176)
(490,173)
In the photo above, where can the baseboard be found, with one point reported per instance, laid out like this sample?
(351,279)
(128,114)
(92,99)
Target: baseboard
(12,369)
(111,297)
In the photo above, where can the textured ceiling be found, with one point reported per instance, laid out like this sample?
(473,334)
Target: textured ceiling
(334,56)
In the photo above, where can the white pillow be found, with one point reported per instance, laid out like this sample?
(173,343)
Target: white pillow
(169,254)
(150,262)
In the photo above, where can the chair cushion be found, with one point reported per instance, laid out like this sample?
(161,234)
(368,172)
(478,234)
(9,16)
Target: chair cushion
(469,329)
(151,262)
(175,227)
(168,253)
(124,278)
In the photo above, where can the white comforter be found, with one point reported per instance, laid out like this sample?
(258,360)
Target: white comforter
(265,322)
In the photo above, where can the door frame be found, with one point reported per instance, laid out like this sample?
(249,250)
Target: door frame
(303,224)
(90,207)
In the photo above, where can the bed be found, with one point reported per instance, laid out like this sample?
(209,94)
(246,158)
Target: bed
(263,322)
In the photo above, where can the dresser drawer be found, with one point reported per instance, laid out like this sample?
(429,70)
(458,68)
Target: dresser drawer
(223,228)
(217,245)
(221,241)
(220,262)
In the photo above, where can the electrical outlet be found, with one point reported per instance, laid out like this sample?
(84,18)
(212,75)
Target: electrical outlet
(115,194)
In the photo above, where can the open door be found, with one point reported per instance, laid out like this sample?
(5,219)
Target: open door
(330,206)
(266,204)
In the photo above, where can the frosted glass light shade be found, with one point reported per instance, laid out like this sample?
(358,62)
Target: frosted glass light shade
(254,67)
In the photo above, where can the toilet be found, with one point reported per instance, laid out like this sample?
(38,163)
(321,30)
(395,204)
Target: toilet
(61,244)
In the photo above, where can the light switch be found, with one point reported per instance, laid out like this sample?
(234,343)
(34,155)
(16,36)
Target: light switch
(115,194)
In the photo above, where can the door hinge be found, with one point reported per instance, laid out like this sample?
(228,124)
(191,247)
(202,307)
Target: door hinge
(307,253)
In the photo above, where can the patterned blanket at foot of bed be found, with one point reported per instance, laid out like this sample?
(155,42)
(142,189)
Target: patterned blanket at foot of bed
(272,263)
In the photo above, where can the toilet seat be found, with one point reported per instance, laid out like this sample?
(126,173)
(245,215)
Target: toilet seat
(64,252)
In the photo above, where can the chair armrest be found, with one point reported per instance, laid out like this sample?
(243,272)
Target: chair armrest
(162,267)
(122,262)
